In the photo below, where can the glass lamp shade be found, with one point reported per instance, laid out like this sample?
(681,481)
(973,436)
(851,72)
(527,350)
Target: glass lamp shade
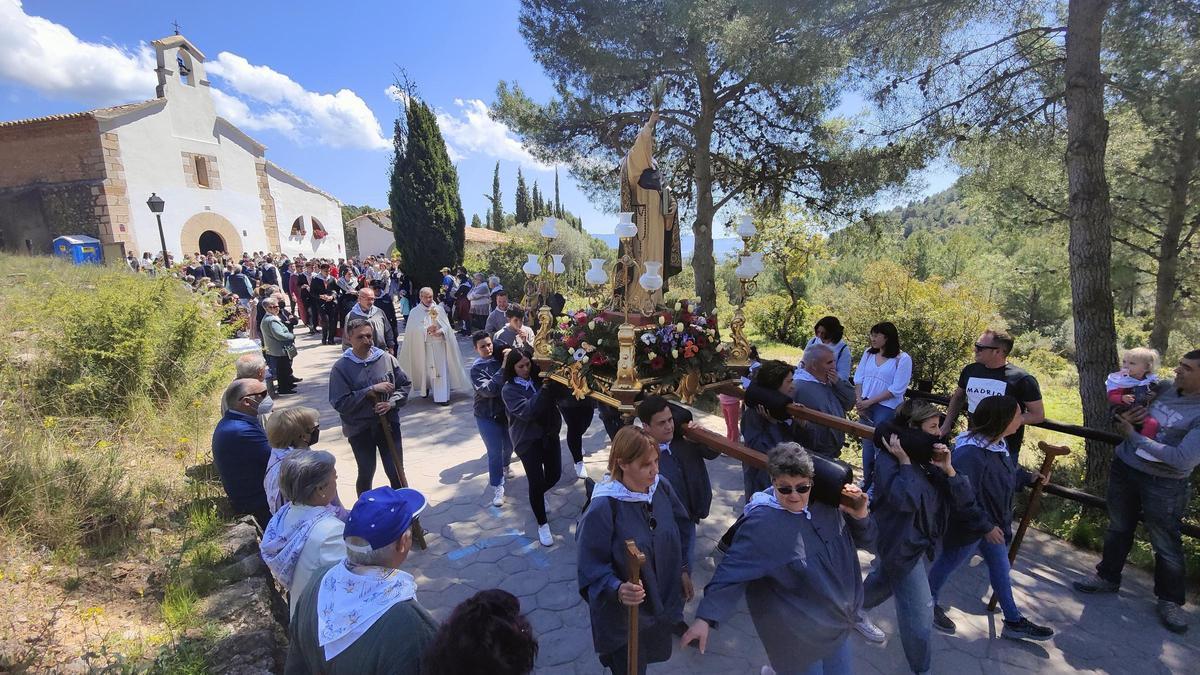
(596,275)
(746,228)
(652,279)
(558,265)
(744,270)
(626,227)
(550,228)
(756,262)
(531,266)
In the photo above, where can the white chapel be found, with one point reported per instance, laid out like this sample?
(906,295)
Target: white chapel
(91,173)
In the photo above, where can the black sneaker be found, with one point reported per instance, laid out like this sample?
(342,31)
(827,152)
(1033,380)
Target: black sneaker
(1026,630)
(941,621)
(1095,584)
(1172,616)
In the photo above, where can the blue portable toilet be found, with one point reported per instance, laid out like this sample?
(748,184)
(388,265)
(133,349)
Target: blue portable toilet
(79,248)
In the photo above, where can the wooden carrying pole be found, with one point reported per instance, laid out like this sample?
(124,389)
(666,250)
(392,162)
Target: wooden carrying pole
(634,559)
(417,533)
(1051,452)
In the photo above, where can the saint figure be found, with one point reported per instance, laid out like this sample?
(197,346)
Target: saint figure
(644,192)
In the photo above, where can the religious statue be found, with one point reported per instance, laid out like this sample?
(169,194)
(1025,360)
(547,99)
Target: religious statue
(645,194)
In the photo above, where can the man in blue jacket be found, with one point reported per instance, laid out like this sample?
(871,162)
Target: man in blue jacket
(240,450)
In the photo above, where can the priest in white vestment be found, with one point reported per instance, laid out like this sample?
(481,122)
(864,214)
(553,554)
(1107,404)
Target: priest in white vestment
(430,353)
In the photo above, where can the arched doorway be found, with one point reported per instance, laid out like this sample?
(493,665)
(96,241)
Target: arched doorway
(211,241)
(207,231)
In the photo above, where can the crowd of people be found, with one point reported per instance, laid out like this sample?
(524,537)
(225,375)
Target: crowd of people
(928,499)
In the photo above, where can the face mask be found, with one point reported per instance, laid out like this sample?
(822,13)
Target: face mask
(316,436)
(265,405)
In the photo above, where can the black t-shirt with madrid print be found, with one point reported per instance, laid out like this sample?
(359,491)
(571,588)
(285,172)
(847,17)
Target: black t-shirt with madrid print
(979,382)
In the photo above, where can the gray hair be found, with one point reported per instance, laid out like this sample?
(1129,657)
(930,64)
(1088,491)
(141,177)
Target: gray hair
(356,323)
(250,366)
(812,353)
(302,473)
(236,390)
(359,552)
(789,459)
(493,279)
(270,301)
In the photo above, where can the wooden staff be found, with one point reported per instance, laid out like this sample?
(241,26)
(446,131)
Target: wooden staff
(1035,496)
(417,533)
(634,559)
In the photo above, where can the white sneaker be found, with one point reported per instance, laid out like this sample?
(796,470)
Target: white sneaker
(870,631)
(579,470)
(498,496)
(544,535)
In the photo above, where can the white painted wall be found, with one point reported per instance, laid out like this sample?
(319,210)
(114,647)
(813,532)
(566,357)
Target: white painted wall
(294,199)
(373,239)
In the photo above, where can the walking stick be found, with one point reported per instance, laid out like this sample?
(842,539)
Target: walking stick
(1035,497)
(418,534)
(634,559)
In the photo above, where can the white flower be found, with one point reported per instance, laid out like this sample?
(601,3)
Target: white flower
(648,338)
(662,320)
(678,306)
(679,327)
(591,325)
(580,354)
(674,353)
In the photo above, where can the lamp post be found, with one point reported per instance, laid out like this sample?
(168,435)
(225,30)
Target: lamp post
(156,205)
(749,266)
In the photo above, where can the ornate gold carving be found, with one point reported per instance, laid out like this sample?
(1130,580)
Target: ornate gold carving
(541,341)
(627,377)
(577,382)
(739,351)
(689,386)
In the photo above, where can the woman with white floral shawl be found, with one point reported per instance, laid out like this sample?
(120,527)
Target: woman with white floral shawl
(305,534)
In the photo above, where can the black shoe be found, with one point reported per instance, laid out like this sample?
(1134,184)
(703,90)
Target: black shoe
(444,403)
(285,392)
(941,621)
(1025,630)
(1096,584)
(1172,616)
(297,380)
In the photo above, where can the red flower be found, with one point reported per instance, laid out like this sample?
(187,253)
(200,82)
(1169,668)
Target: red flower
(599,359)
(690,350)
(657,363)
(581,318)
(572,341)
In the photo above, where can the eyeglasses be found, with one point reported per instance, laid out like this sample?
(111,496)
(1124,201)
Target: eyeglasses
(259,395)
(650,516)
(798,489)
(979,347)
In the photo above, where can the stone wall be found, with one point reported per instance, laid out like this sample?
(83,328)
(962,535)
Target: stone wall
(38,214)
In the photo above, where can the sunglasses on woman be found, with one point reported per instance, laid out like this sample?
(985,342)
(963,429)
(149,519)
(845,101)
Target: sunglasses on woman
(798,489)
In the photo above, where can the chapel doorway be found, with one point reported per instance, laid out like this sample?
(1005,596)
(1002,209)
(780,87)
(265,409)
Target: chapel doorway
(211,241)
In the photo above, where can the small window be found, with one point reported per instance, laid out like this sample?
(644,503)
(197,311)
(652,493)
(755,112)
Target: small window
(201,171)
(298,227)
(318,229)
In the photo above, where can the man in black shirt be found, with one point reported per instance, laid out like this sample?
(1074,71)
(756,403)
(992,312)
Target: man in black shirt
(993,375)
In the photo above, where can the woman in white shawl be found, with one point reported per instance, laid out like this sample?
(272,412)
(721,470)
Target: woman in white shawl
(305,534)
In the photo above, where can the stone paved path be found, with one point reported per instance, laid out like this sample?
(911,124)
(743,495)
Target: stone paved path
(473,546)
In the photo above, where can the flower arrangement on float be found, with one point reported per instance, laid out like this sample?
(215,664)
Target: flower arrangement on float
(670,345)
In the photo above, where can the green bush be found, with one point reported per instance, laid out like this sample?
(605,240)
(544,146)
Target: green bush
(101,342)
(777,318)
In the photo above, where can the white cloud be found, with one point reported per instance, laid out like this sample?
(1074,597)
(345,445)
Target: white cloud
(339,120)
(474,132)
(396,94)
(49,58)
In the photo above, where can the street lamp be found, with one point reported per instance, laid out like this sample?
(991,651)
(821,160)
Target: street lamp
(750,265)
(156,205)
(543,271)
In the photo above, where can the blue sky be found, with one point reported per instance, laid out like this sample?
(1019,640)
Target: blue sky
(307,79)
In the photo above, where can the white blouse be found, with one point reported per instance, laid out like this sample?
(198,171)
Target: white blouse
(894,376)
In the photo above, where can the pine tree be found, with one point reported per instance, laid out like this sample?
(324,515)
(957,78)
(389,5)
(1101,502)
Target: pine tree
(523,206)
(475,222)
(497,215)
(427,216)
(558,212)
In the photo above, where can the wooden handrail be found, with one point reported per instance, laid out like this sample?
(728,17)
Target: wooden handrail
(1061,427)
(807,414)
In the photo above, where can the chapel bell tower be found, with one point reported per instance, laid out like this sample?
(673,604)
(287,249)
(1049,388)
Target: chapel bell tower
(183,82)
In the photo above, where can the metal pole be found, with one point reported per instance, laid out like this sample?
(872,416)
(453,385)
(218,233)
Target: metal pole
(162,238)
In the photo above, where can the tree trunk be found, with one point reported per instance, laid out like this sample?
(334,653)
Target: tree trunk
(1090,247)
(1166,282)
(702,249)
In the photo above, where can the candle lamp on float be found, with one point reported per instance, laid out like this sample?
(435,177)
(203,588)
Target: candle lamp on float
(542,271)
(750,265)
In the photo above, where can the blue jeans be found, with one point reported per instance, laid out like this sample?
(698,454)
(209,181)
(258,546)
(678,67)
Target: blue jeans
(996,557)
(840,662)
(914,611)
(1160,502)
(499,448)
(875,415)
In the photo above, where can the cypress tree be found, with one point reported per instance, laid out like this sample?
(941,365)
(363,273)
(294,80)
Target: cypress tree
(475,221)
(497,215)
(558,212)
(537,201)
(427,216)
(523,206)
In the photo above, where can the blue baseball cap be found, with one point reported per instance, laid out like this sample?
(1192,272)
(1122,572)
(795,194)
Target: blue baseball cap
(381,516)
